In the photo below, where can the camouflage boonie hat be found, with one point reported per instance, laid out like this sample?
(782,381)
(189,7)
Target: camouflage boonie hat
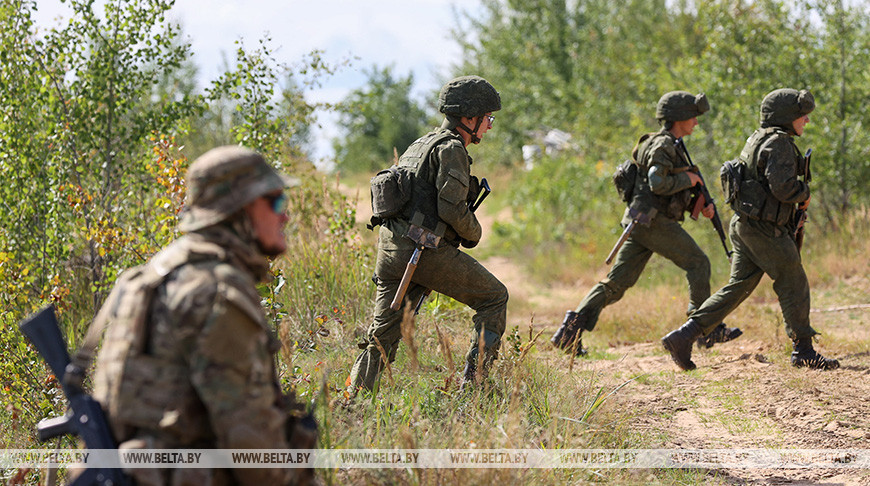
(222,181)
(468,96)
(783,106)
(681,105)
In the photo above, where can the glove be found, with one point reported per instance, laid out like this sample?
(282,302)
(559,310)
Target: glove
(468,243)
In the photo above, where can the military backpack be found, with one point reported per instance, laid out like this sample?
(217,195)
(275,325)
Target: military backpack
(624,179)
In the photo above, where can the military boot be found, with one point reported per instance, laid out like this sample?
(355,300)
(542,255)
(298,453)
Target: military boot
(567,337)
(679,344)
(719,334)
(491,343)
(805,355)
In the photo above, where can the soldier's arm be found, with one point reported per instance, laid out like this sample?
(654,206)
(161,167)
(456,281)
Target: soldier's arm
(781,171)
(231,370)
(663,180)
(452,183)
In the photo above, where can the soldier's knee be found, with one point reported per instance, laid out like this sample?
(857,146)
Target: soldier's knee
(700,267)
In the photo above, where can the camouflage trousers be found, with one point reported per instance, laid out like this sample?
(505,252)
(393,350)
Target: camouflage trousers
(759,248)
(665,237)
(445,270)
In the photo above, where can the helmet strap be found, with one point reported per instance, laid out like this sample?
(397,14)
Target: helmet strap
(474,138)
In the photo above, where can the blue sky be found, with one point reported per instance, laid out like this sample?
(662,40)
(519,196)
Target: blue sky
(412,36)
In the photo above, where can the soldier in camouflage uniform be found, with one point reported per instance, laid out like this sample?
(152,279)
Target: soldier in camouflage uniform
(189,357)
(665,185)
(439,167)
(763,233)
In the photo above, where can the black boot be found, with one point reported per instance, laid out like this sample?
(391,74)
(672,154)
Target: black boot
(805,355)
(567,337)
(679,344)
(719,334)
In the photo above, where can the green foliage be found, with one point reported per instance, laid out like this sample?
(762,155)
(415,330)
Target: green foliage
(378,121)
(92,172)
(596,69)
(561,209)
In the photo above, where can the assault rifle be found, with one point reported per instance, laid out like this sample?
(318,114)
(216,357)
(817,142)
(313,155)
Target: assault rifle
(702,199)
(420,240)
(800,216)
(85,417)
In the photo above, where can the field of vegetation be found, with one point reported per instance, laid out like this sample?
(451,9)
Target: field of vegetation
(99,119)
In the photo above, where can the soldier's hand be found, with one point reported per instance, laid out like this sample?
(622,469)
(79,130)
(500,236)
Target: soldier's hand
(804,205)
(695,178)
(709,211)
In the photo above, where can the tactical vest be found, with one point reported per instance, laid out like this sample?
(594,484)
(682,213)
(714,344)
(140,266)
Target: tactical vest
(423,171)
(672,206)
(138,390)
(754,198)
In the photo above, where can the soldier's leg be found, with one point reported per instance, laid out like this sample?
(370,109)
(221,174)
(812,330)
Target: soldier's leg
(385,330)
(458,275)
(745,276)
(669,239)
(780,259)
(628,265)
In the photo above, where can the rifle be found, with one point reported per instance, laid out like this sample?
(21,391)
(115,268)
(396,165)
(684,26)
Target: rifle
(702,198)
(637,217)
(472,206)
(85,417)
(800,216)
(422,238)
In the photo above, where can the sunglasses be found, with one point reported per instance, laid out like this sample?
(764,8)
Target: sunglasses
(278,203)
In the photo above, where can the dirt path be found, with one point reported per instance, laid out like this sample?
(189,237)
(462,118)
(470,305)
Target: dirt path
(745,394)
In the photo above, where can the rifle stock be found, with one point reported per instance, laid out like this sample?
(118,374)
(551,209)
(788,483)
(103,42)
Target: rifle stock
(637,217)
(85,417)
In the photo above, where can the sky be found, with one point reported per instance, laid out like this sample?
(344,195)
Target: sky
(412,36)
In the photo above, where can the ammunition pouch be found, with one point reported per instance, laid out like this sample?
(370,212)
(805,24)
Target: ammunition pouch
(390,192)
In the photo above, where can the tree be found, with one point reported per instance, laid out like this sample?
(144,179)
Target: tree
(376,120)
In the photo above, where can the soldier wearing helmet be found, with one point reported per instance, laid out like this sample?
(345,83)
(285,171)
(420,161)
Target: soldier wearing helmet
(438,167)
(763,232)
(188,358)
(663,189)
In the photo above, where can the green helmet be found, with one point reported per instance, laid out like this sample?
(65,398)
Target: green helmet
(223,180)
(468,96)
(681,105)
(783,106)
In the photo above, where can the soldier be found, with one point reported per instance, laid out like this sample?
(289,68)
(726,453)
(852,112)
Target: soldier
(662,190)
(439,168)
(189,357)
(763,233)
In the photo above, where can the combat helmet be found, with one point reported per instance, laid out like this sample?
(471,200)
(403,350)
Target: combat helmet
(468,96)
(223,180)
(783,106)
(681,105)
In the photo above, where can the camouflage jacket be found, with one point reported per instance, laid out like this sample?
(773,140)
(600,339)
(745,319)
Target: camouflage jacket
(662,182)
(440,190)
(205,377)
(774,160)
